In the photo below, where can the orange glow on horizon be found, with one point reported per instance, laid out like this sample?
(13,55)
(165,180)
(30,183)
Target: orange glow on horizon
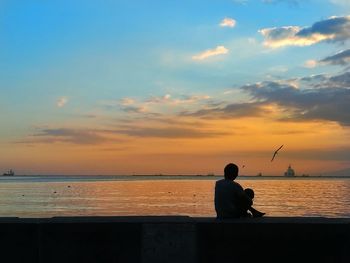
(245,141)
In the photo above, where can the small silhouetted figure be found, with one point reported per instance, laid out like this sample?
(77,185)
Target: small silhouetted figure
(255,213)
(231,201)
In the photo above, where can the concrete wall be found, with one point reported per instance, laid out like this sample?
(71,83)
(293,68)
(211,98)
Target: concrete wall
(174,239)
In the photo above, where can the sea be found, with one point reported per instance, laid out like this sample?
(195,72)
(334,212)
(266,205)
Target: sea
(52,196)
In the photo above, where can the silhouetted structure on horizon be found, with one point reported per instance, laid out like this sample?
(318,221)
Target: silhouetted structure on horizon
(290,172)
(9,173)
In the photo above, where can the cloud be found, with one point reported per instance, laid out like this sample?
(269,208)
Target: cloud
(234,110)
(166,126)
(187,99)
(126,105)
(313,98)
(339,81)
(326,81)
(135,109)
(61,102)
(157,99)
(315,78)
(161,126)
(281,36)
(168,132)
(127,101)
(159,104)
(333,29)
(310,63)
(219,50)
(64,135)
(329,103)
(228,22)
(341,58)
(190,99)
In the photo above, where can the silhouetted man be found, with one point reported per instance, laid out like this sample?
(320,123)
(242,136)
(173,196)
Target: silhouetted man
(231,201)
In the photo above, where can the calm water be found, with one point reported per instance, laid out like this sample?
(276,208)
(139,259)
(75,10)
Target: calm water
(42,197)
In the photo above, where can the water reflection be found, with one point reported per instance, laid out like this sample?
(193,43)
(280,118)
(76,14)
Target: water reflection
(297,197)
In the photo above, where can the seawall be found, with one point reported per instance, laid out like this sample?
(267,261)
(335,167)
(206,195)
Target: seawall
(174,239)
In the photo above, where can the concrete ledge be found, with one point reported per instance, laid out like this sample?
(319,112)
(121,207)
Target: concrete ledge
(174,239)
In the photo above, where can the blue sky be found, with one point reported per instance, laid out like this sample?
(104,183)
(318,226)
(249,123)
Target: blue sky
(62,63)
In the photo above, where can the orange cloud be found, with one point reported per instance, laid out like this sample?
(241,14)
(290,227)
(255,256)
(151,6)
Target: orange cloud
(219,50)
(228,22)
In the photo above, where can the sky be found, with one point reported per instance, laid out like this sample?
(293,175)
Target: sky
(174,87)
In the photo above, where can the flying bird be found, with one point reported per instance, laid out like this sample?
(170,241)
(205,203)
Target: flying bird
(275,153)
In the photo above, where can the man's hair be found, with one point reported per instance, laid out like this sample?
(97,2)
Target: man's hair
(231,171)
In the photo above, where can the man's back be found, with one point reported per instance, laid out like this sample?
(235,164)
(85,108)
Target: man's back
(227,198)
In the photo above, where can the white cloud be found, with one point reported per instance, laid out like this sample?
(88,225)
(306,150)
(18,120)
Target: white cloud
(311,63)
(219,50)
(61,102)
(228,22)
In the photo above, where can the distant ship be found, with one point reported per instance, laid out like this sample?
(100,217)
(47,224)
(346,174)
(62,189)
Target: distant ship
(9,173)
(290,172)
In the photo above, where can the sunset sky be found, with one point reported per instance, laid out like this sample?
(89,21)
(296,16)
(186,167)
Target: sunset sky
(174,87)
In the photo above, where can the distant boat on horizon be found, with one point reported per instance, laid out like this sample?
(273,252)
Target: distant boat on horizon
(9,173)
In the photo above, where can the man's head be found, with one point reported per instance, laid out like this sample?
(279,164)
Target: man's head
(231,171)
